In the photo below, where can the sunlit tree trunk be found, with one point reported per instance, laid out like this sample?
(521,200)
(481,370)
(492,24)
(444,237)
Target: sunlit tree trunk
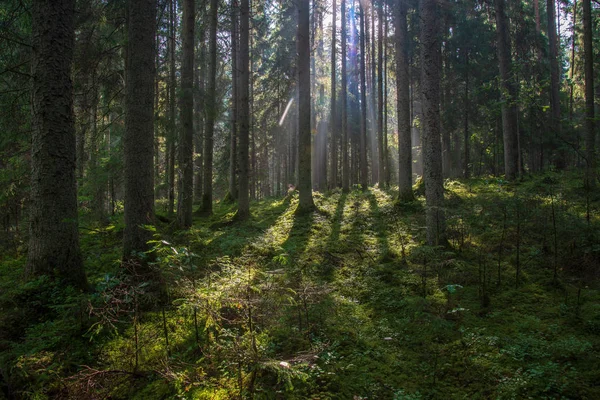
(432,152)
(403,104)
(304,137)
(138,141)
(53,224)
(186,139)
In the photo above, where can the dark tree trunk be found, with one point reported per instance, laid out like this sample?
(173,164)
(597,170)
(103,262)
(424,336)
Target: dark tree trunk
(590,126)
(509,108)
(186,142)
(139,127)
(363,103)
(467,138)
(211,111)
(560,160)
(244,112)
(235,101)
(53,225)
(432,152)
(304,136)
(172,134)
(199,105)
(403,104)
(380,104)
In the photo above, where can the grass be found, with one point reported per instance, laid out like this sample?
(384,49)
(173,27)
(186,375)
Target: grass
(345,302)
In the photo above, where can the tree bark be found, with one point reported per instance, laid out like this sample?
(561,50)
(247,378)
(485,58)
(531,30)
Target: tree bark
(590,126)
(345,161)
(560,161)
(186,139)
(363,103)
(508,90)
(199,105)
(432,152)
(172,134)
(333,123)
(235,101)
(53,226)
(306,203)
(244,112)
(139,127)
(380,104)
(403,104)
(211,111)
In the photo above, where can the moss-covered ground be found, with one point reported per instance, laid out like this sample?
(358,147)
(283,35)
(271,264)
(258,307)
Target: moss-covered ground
(343,303)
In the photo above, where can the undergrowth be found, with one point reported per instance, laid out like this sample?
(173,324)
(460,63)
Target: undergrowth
(344,303)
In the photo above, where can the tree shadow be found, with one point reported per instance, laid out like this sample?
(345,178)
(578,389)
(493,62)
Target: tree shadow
(379,229)
(229,237)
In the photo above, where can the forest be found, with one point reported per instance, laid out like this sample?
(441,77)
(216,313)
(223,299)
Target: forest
(299,199)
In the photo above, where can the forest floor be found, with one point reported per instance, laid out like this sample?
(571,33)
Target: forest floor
(344,303)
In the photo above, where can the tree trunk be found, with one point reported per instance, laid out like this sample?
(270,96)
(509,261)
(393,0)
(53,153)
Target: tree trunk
(467,138)
(139,127)
(363,103)
(432,152)
(186,139)
(211,111)
(199,105)
(244,112)
(235,101)
(333,122)
(304,136)
(380,103)
(403,104)
(53,224)
(509,108)
(560,160)
(345,161)
(172,134)
(590,128)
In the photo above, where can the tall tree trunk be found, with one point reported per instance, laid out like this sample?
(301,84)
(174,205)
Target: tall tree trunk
(235,101)
(211,111)
(432,152)
(244,112)
(467,138)
(304,136)
(590,126)
(509,108)
(333,122)
(199,105)
(403,104)
(172,134)
(560,160)
(139,127)
(53,224)
(186,141)
(380,104)
(363,103)
(345,161)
